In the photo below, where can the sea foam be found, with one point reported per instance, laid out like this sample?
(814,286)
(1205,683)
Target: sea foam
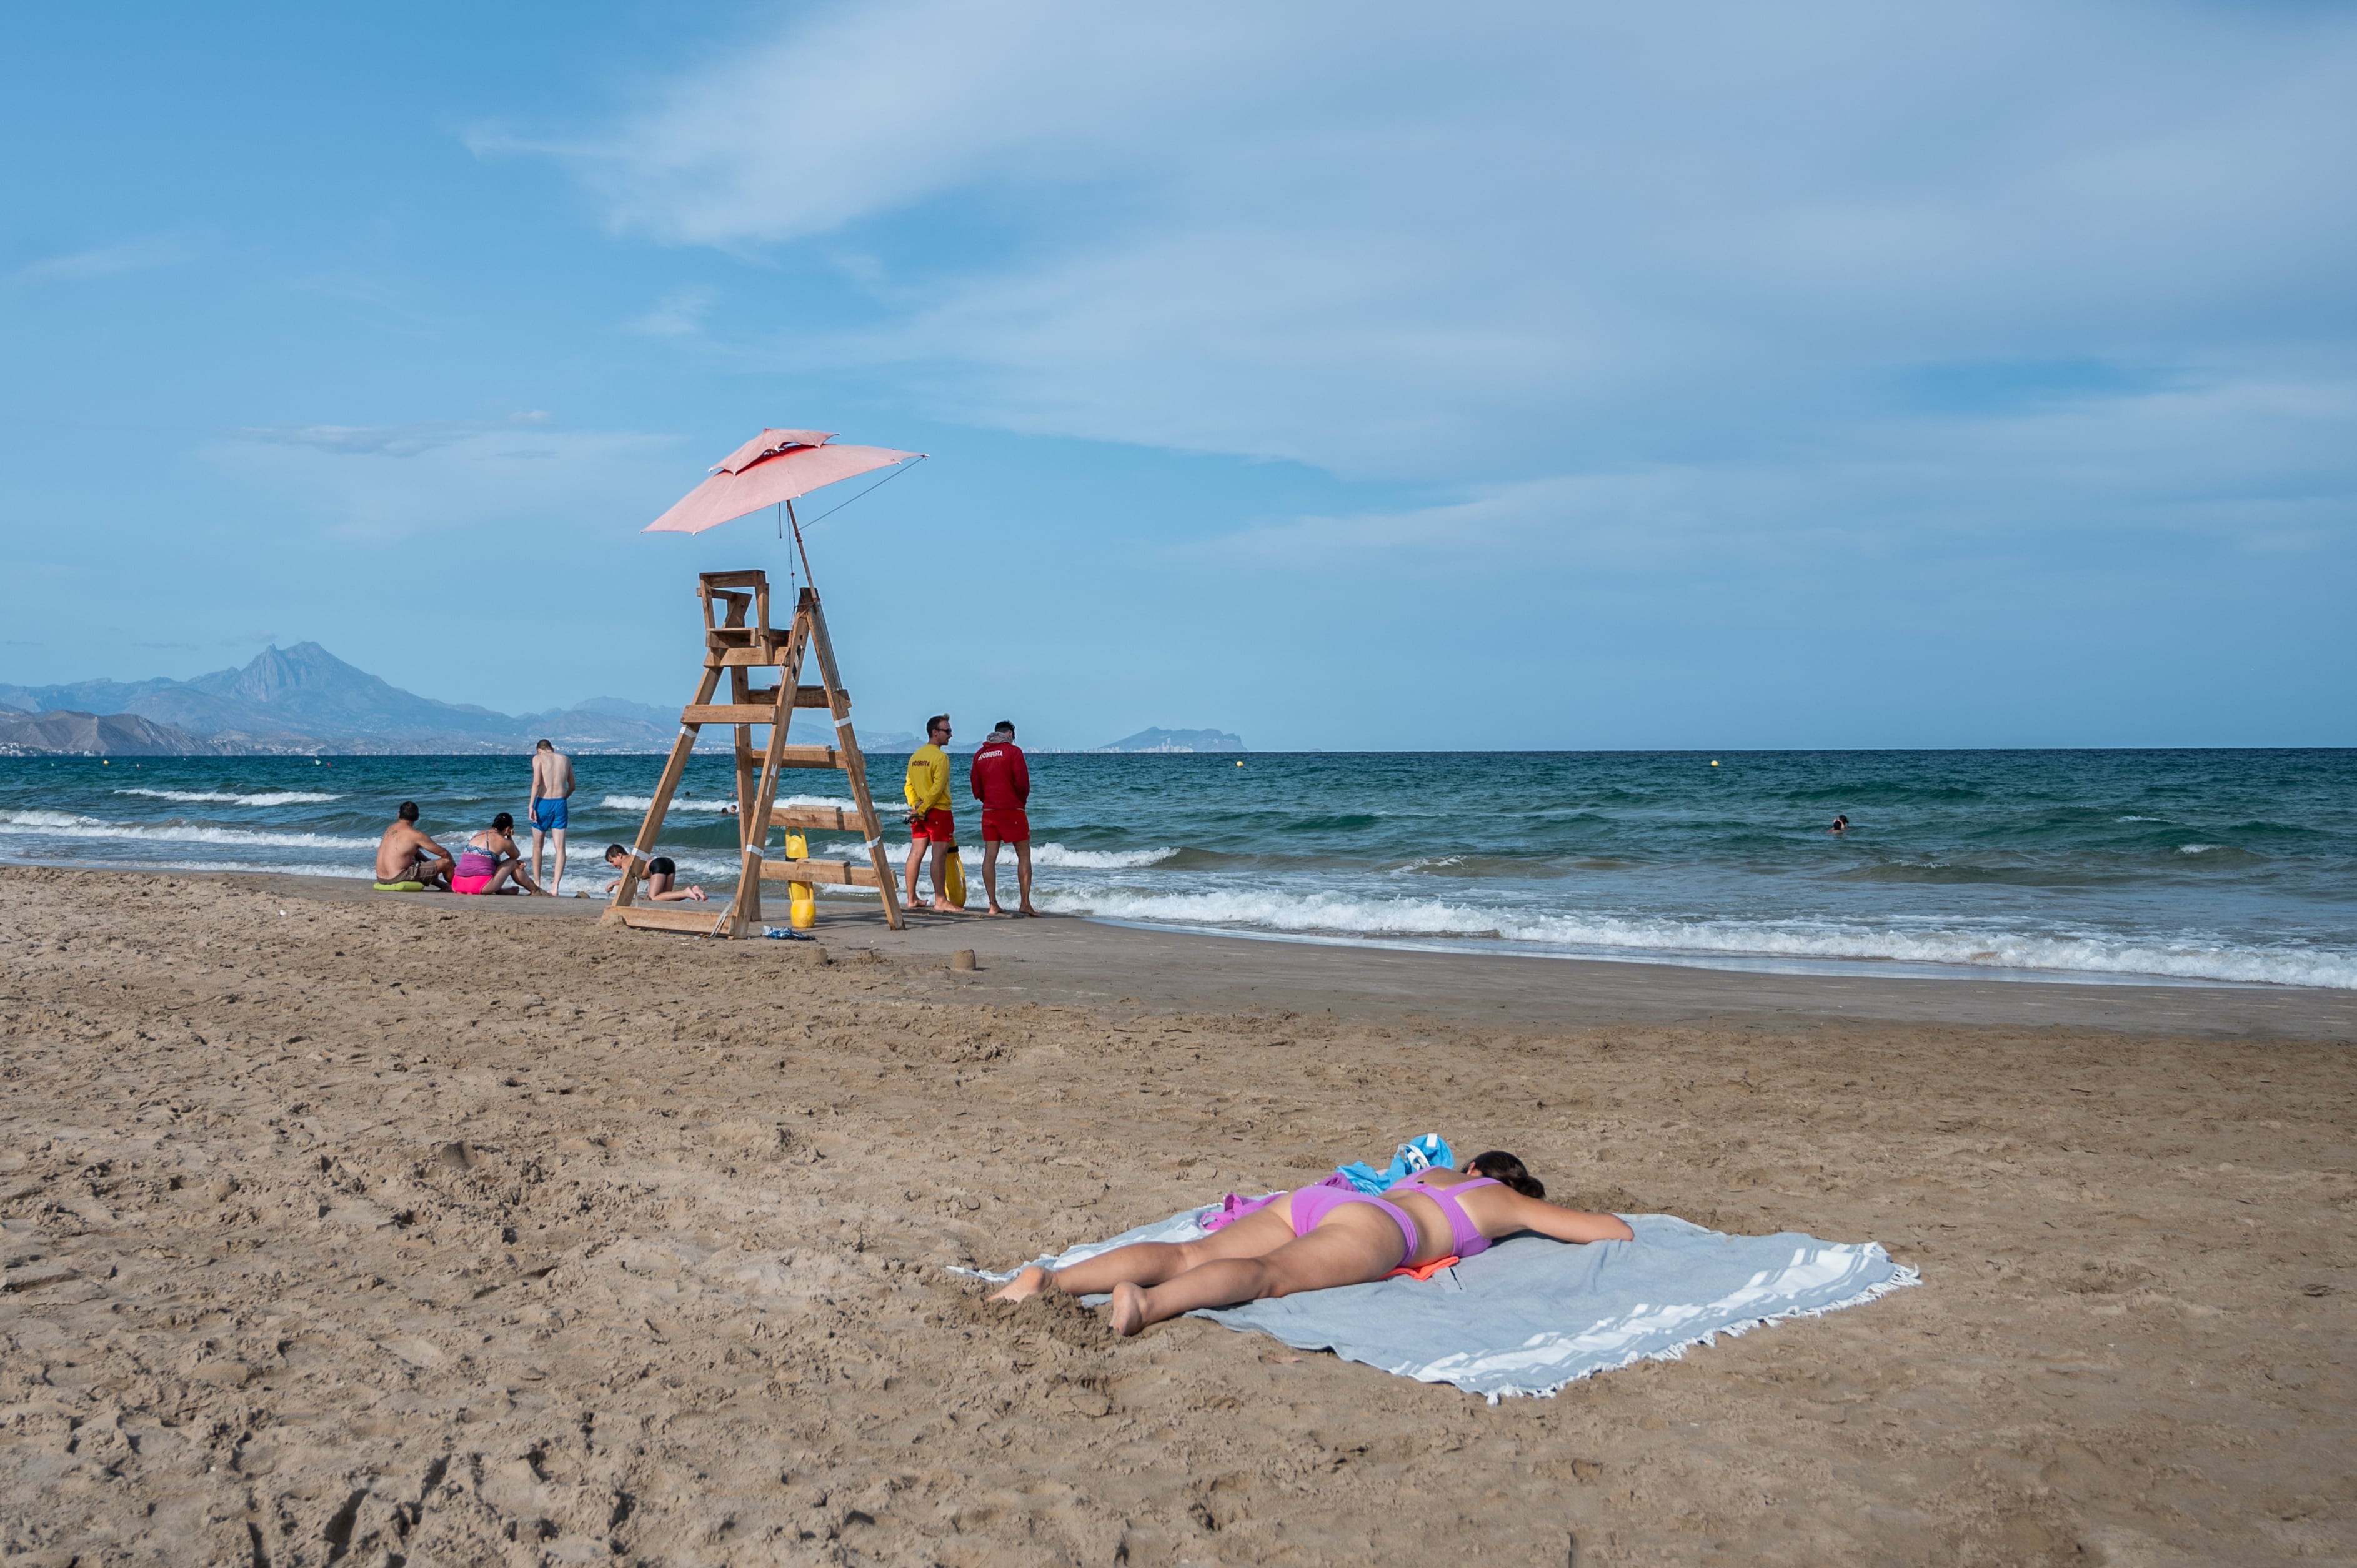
(64,824)
(719,804)
(1344,915)
(227,798)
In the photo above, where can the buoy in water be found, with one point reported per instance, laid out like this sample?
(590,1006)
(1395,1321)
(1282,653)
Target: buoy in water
(1714,762)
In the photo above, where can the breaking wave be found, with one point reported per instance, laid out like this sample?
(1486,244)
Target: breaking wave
(227,798)
(715,805)
(1045,855)
(1344,915)
(64,824)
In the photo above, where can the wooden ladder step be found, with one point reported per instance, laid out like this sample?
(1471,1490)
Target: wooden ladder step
(824,818)
(817,873)
(729,714)
(716,919)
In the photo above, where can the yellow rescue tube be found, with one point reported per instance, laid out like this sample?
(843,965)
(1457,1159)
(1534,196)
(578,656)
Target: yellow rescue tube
(801,899)
(954,877)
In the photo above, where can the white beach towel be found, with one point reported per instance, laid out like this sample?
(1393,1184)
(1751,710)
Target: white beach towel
(1531,1314)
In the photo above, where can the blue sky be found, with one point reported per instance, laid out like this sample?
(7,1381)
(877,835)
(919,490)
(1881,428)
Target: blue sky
(1567,376)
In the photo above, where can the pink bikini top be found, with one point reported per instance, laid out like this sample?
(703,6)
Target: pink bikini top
(1466,1238)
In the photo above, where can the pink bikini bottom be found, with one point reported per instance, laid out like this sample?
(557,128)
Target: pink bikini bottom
(1312,1204)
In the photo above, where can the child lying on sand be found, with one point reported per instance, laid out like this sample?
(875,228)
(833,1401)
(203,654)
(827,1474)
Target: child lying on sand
(662,874)
(1320,1237)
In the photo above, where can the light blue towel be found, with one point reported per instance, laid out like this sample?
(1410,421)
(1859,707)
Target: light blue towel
(1530,1315)
(1415,1156)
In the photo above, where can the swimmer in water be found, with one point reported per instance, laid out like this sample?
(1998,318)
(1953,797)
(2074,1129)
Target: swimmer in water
(1841,826)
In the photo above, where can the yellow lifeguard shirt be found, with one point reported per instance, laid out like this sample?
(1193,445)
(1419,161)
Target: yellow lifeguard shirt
(928,785)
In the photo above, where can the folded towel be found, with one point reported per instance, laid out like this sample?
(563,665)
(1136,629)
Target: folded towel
(1531,1314)
(401,888)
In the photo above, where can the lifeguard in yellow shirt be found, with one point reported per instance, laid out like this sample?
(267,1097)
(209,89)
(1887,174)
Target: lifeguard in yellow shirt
(930,822)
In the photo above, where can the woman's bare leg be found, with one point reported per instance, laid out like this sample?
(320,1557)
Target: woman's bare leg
(1343,1250)
(1151,1263)
(512,870)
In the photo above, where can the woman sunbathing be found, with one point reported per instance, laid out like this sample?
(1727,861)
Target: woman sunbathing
(1320,1237)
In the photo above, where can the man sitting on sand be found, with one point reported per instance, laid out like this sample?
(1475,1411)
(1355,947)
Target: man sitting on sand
(405,854)
(662,873)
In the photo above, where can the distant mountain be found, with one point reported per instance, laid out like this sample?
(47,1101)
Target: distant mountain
(63,731)
(623,708)
(899,742)
(1178,740)
(304,698)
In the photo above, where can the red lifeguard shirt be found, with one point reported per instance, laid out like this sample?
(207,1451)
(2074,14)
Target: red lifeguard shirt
(1001,780)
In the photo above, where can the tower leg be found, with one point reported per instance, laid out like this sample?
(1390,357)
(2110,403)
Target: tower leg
(756,813)
(673,771)
(855,766)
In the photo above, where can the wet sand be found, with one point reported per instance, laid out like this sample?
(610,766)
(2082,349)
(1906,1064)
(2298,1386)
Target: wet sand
(348,1228)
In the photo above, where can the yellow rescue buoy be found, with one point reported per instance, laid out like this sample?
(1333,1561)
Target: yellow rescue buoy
(954,877)
(801,898)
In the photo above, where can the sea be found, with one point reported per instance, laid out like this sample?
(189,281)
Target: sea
(2155,867)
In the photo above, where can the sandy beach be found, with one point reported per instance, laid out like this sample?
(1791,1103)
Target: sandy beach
(350,1229)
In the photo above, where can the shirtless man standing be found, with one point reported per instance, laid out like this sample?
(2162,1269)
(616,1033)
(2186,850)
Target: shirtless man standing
(405,854)
(552,787)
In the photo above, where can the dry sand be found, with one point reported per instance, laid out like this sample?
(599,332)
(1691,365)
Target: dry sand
(370,1229)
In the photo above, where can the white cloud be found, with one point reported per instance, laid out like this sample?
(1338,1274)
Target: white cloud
(107,261)
(442,477)
(1575,261)
(679,314)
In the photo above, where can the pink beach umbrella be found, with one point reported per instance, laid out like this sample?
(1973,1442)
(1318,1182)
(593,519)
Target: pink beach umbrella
(777,466)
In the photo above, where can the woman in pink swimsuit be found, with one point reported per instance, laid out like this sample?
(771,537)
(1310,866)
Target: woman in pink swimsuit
(491,861)
(1320,1237)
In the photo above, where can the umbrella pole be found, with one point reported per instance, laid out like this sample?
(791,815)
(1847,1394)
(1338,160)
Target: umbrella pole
(799,548)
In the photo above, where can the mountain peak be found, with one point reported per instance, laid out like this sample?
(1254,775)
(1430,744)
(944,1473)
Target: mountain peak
(1178,740)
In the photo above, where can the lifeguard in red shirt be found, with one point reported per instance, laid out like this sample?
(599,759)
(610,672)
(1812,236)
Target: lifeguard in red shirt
(1001,780)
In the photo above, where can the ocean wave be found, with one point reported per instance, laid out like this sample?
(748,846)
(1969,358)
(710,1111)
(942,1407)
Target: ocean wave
(1045,855)
(719,804)
(64,824)
(1340,914)
(227,798)
(339,870)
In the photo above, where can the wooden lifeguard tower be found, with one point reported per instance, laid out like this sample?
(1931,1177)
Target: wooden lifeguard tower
(739,642)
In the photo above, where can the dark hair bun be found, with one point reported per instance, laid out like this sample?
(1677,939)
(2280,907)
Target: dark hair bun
(502,822)
(1507,1171)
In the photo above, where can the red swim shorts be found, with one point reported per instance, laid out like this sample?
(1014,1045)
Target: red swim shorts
(938,826)
(1007,825)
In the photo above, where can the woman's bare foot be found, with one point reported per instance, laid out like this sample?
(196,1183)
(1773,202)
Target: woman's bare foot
(1030,1281)
(697,895)
(1128,1309)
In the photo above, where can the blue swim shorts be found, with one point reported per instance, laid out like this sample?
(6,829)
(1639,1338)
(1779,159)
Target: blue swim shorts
(549,816)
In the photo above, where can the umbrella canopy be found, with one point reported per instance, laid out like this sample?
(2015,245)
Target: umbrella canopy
(775,466)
